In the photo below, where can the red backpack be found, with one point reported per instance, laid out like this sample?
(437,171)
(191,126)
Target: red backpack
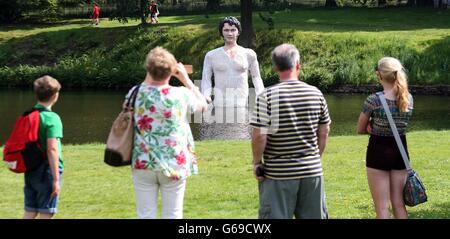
(22,152)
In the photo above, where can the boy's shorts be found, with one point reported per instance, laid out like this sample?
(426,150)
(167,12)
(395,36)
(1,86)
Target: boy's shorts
(38,190)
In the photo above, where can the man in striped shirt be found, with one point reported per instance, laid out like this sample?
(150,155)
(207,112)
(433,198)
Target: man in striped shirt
(290,129)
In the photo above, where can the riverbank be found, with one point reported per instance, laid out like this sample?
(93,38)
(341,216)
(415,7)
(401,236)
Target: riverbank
(225,188)
(339,47)
(414,89)
(443,90)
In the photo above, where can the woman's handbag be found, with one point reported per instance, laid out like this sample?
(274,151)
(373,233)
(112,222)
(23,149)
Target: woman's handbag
(414,191)
(121,137)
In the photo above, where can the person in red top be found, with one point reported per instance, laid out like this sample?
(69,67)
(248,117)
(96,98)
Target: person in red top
(154,12)
(95,14)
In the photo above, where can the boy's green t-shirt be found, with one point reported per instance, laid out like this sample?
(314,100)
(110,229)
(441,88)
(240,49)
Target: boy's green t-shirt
(50,126)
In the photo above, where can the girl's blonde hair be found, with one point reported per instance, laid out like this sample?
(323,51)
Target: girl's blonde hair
(392,71)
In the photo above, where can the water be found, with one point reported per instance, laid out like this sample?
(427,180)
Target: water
(87,115)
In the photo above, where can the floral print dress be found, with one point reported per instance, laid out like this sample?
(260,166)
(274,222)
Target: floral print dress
(163,139)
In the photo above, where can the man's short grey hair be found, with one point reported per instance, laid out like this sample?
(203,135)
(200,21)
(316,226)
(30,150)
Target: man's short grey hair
(285,57)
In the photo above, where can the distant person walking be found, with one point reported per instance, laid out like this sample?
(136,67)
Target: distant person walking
(290,130)
(154,12)
(95,14)
(386,171)
(163,153)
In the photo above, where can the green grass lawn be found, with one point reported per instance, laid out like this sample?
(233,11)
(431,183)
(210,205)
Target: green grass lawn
(338,46)
(225,187)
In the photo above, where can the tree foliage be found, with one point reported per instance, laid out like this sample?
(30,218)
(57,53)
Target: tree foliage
(270,6)
(10,11)
(73,3)
(213,5)
(330,3)
(13,10)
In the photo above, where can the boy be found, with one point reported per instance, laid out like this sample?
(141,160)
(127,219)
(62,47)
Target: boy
(43,184)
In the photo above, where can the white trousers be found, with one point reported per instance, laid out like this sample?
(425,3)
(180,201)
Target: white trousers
(147,185)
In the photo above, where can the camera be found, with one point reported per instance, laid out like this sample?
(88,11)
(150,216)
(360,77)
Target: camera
(260,171)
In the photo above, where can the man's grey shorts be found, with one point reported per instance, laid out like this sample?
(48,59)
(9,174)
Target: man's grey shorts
(283,199)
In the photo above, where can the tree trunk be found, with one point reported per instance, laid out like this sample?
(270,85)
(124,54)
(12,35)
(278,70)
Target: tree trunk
(142,8)
(248,35)
(411,3)
(381,3)
(424,3)
(174,2)
(212,5)
(330,3)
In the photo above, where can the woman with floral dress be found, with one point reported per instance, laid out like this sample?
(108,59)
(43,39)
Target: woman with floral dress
(163,153)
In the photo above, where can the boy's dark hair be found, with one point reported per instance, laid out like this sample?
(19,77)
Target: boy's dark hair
(232,21)
(46,87)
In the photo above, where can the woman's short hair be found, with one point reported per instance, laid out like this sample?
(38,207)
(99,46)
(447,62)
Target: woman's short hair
(46,87)
(232,21)
(160,63)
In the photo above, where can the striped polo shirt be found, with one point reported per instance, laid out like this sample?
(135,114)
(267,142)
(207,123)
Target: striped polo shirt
(290,113)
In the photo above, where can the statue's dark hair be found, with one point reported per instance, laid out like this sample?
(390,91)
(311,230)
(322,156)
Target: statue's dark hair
(232,21)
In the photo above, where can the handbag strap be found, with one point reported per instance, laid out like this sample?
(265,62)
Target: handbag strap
(132,99)
(394,130)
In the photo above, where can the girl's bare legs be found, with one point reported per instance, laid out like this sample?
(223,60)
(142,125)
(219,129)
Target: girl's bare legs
(398,180)
(379,184)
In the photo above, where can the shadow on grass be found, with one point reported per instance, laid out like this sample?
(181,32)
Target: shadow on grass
(339,19)
(40,25)
(316,19)
(439,211)
(361,19)
(434,60)
(48,48)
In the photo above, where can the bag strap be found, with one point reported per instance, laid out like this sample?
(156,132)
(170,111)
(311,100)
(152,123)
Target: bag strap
(41,109)
(394,130)
(34,109)
(132,99)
